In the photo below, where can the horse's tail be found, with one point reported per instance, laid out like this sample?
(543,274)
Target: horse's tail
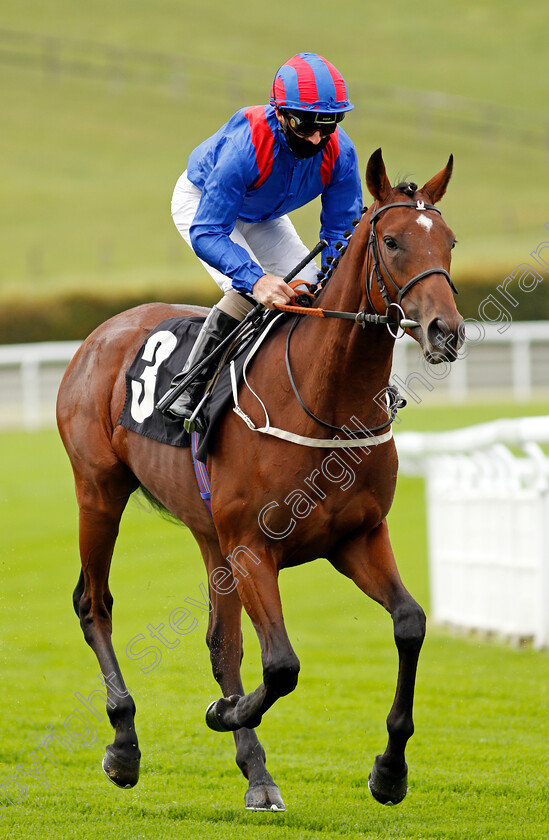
(147,499)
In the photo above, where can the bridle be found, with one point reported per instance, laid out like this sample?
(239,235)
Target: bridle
(373,256)
(374,264)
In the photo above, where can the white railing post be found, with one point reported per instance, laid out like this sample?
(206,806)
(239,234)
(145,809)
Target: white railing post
(522,368)
(30,384)
(526,373)
(487,524)
(458,380)
(35,407)
(542,638)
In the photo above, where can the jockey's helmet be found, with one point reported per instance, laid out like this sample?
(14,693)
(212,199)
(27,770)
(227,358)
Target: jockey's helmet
(307,82)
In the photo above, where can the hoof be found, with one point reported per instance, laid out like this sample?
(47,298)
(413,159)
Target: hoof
(385,788)
(212,720)
(221,715)
(123,774)
(263,798)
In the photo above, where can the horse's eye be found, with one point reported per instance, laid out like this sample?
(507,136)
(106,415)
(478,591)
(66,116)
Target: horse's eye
(390,243)
(454,243)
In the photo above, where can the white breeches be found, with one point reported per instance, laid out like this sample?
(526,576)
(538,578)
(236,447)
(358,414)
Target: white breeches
(274,245)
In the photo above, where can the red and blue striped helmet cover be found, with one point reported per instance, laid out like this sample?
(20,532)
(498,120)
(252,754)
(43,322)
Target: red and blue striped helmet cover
(307,82)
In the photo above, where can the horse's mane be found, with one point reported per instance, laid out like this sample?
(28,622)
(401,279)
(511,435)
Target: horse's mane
(407,187)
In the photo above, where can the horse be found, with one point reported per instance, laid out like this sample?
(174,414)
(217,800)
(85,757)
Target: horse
(397,258)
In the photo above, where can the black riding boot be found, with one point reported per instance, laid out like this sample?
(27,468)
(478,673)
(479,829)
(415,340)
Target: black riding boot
(216,327)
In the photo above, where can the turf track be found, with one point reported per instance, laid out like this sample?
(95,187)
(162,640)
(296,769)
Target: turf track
(478,760)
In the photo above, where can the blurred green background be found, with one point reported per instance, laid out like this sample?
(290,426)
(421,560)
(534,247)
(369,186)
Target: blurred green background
(102,103)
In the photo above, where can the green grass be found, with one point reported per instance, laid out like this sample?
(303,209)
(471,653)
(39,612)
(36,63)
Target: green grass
(478,764)
(88,164)
(439,416)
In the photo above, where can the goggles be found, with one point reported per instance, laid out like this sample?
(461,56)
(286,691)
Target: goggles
(305,123)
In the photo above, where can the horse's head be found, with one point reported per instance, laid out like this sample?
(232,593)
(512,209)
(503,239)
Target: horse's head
(409,259)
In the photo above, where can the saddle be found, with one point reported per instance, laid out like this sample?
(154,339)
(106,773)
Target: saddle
(163,355)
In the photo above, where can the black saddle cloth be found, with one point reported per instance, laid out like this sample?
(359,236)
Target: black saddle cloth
(162,356)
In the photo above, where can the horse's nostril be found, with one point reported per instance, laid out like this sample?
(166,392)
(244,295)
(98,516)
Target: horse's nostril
(438,332)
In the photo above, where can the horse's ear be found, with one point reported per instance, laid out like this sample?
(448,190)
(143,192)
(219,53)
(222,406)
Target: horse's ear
(436,187)
(376,177)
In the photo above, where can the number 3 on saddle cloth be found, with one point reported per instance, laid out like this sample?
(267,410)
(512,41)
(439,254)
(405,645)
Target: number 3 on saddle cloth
(160,358)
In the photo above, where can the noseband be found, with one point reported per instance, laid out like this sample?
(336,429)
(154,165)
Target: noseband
(377,263)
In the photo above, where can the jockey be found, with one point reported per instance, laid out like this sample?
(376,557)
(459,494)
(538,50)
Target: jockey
(231,202)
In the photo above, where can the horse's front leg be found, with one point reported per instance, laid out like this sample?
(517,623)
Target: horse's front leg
(368,559)
(256,581)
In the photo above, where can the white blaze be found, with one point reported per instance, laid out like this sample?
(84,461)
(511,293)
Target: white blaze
(425,222)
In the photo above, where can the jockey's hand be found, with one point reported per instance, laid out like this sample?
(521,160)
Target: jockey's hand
(270,289)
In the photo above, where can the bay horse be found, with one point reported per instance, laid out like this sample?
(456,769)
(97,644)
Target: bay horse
(399,253)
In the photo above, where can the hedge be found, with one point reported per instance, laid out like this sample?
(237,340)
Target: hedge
(74,316)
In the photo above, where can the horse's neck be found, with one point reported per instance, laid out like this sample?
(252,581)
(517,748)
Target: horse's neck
(340,366)
(346,288)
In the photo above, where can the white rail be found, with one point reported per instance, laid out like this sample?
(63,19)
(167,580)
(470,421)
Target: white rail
(29,378)
(487,505)
(510,358)
(513,363)
(488,524)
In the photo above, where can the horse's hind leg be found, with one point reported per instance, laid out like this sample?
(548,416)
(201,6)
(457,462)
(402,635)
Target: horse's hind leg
(368,560)
(224,639)
(101,502)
